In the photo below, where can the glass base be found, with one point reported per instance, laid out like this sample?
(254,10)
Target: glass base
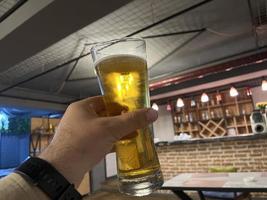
(141,186)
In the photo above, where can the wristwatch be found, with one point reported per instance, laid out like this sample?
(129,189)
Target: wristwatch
(48,179)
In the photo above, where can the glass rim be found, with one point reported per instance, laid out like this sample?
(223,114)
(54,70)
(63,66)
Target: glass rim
(114,41)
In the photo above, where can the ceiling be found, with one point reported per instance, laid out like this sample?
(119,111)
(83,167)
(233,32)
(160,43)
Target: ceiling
(45,46)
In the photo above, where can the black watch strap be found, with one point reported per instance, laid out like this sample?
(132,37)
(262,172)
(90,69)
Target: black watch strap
(48,179)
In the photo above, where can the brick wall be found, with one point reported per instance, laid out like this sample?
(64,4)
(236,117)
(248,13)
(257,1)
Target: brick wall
(245,155)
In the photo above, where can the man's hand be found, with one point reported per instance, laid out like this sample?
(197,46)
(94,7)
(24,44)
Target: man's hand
(83,138)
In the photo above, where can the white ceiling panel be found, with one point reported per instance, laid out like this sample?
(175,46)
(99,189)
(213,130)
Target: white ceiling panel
(6,5)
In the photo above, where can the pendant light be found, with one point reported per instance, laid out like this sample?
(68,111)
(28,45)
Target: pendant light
(180,103)
(233,92)
(204,98)
(155,106)
(264,85)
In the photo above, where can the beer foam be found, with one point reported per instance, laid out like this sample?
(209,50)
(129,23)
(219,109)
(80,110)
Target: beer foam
(118,55)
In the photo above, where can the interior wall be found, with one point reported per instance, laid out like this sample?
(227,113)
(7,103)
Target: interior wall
(163,127)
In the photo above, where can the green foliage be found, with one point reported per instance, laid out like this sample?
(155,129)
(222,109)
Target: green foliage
(262,106)
(17,126)
(222,169)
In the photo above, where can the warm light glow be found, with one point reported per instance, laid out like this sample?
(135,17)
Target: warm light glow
(233,92)
(204,98)
(218,97)
(248,92)
(264,85)
(169,108)
(180,103)
(155,106)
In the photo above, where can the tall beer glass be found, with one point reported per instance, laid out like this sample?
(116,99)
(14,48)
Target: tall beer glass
(121,69)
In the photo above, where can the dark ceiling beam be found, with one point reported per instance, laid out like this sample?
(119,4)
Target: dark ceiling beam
(33,99)
(82,79)
(215,68)
(170,17)
(129,35)
(233,57)
(254,82)
(172,34)
(12,10)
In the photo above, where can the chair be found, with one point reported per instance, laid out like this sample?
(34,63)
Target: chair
(217,195)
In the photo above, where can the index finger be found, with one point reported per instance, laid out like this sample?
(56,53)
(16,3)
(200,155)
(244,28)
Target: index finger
(95,104)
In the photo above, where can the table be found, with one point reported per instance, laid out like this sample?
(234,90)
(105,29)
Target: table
(223,182)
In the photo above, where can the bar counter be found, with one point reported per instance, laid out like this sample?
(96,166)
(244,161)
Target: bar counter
(247,153)
(214,139)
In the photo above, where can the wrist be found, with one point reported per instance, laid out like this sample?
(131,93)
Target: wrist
(43,175)
(66,163)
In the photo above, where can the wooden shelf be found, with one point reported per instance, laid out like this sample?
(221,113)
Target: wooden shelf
(240,125)
(217,126)
(192,122)
(209,107)
(186,130)
(245,101)
(237,102)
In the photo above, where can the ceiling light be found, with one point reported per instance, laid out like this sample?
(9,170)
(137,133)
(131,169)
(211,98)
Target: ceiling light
(155,106)
(180,103)
(264,85)
(204,98)
(233,92)
(169,108)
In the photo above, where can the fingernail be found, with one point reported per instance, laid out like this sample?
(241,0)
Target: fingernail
(151,115)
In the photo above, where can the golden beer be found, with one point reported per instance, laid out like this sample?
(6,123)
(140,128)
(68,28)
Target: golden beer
(124,82)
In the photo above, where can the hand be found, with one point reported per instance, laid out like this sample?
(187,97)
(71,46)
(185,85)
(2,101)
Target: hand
(83,138)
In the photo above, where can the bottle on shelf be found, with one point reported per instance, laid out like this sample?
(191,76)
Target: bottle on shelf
(227,113)
(191,117)
(175,119)
(179,119)
(207,115)
(50,129)
(218,98)
(203,115)
(212,115)
(212,102)
(193,103)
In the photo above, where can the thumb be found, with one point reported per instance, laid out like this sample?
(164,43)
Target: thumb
(127,123)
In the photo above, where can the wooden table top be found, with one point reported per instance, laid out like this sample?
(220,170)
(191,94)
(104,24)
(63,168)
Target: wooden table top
(241,181)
